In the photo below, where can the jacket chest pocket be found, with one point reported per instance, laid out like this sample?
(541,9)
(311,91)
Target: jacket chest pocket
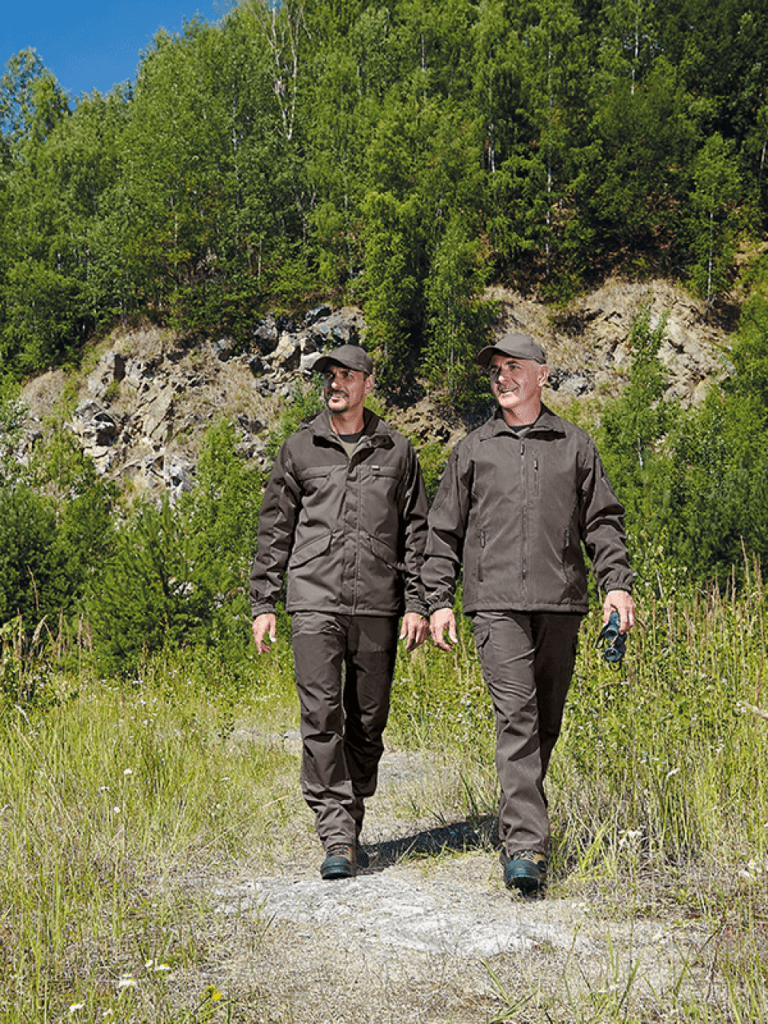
(383,483)
(312,480)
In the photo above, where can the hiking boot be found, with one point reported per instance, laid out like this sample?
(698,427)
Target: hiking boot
(361,858)
(339,861)
(525,870)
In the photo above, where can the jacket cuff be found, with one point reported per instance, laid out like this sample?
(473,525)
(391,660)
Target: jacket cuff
(439,599)
(417,607)
(262,609)
(618,583)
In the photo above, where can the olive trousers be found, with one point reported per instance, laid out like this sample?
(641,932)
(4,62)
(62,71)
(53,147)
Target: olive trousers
(343,667)
(527,660)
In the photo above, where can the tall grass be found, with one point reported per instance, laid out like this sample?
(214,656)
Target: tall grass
(114,792)
(670,749)
(110,794)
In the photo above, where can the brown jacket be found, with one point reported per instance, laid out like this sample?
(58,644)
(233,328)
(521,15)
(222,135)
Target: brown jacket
(349,532)
(515,511)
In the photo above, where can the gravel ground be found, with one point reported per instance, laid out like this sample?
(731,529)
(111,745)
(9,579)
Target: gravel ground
(428,934)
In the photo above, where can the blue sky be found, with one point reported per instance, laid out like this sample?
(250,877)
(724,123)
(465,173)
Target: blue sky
(92,44)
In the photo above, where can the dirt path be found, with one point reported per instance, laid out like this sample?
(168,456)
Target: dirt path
(429,934)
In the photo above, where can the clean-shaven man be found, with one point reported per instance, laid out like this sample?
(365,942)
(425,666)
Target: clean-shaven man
(519,497)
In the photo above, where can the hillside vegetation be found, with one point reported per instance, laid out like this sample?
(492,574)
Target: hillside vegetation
(399,155)
(405,156)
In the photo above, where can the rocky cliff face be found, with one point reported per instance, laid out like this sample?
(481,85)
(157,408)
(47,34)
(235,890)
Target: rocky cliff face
(142,409)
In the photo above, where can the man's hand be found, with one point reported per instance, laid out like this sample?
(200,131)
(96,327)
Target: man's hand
(439,621)
(414,630)
(622,602)
(263,626)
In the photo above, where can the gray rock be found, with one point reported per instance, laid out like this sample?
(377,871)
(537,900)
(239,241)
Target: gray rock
(258,365)
(156,414)
(110,369)
(96,427)
(224,349)
(568,383)
(177,476)
(334,331)
(287,355)
(389,910)
(266,334)
(318,313)
(251,425)
(137,374)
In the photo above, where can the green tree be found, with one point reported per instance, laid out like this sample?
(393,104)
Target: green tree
(153,594)
(636,176)
(86,508)
(31,100)
(393,280)
(28,562)
(12,413)
(222,513)
(714,216)
(458,320)
(712,507)
(633,430)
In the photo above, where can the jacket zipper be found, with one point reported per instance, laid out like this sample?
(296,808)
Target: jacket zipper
(524,545)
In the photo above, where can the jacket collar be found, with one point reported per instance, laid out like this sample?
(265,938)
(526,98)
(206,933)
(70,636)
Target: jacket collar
(546,423)
(375,431)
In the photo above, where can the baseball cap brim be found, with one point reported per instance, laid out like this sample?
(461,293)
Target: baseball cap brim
(517,346)
(351,357)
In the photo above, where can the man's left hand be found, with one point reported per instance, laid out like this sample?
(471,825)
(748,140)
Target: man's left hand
(414,630)
(622,602)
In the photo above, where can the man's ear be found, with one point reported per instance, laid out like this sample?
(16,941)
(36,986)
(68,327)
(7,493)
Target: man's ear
(543,374)
(370,383)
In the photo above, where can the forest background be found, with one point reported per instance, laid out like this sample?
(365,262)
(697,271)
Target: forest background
(400,156)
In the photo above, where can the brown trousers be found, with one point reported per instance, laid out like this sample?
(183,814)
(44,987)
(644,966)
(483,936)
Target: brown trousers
(344,667)
(527,661)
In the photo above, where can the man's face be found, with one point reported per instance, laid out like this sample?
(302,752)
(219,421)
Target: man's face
(344,389)
(516,384)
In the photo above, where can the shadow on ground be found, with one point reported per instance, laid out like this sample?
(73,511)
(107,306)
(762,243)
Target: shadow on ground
(459,836)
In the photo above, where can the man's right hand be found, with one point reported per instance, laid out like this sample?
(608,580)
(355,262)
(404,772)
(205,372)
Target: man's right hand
(439,621)
(263,626)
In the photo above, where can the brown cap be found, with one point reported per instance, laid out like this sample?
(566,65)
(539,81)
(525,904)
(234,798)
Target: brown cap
(519,346)
(351,357)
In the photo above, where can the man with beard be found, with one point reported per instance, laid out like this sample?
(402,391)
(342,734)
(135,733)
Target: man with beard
(344,519)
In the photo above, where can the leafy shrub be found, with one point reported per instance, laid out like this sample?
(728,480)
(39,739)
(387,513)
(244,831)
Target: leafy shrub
(155,593)
(29,562)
